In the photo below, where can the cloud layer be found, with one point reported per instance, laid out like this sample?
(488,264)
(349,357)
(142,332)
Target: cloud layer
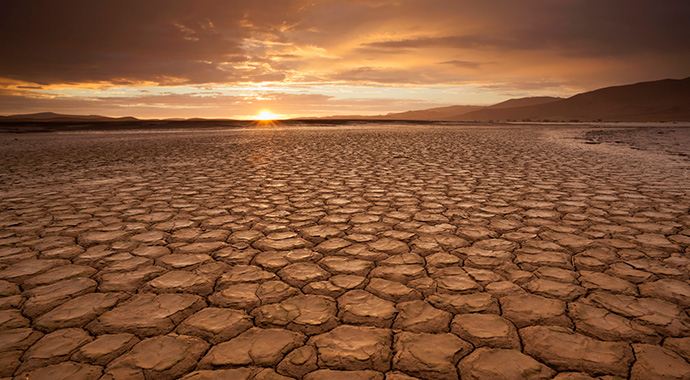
(567,45)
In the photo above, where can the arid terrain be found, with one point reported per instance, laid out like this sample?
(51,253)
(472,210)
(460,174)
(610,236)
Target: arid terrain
(352,252)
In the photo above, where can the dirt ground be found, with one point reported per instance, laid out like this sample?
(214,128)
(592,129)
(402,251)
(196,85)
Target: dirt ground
(346,252)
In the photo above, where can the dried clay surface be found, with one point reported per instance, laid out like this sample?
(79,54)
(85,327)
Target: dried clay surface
(359,251)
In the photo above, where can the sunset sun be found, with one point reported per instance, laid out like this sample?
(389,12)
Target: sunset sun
(266,115)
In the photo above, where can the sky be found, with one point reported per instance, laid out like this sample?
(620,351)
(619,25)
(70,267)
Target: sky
(237,58)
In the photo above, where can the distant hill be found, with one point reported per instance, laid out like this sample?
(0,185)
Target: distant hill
(440,113)
(55,117)
(663,100)
(443,113)
(523,102)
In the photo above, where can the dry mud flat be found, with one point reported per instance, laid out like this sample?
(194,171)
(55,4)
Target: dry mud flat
(434,252)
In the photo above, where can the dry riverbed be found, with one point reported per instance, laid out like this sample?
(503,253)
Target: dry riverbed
(360,252)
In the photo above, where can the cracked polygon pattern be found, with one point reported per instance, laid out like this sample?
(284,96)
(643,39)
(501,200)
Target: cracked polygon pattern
(364,251)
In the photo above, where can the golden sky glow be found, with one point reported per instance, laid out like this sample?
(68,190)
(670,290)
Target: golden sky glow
(266,115)
(230,58)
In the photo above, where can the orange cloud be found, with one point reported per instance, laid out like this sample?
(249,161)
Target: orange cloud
(579,45)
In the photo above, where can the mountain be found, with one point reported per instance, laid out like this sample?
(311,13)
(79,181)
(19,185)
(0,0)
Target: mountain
(524,102)
(440,113)
(663,100)
(51,117)
(447,113)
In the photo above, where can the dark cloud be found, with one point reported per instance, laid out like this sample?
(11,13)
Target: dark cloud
(462,64)
(462,42)
(574,44)
(72,41)
(206,41)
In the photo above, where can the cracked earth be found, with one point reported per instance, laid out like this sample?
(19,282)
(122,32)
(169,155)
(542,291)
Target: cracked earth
(361,252)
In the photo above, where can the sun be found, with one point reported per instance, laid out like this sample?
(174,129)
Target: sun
(266,115)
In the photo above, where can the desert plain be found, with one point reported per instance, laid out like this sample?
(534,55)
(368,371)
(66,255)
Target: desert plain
(359,251)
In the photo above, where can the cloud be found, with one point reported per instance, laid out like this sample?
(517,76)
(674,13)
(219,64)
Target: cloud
(462,64)
(203,104)
(132,41)
(461,42)
(212,41)
(575,44)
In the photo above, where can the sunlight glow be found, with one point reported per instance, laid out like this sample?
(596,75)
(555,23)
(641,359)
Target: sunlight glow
(266,115)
